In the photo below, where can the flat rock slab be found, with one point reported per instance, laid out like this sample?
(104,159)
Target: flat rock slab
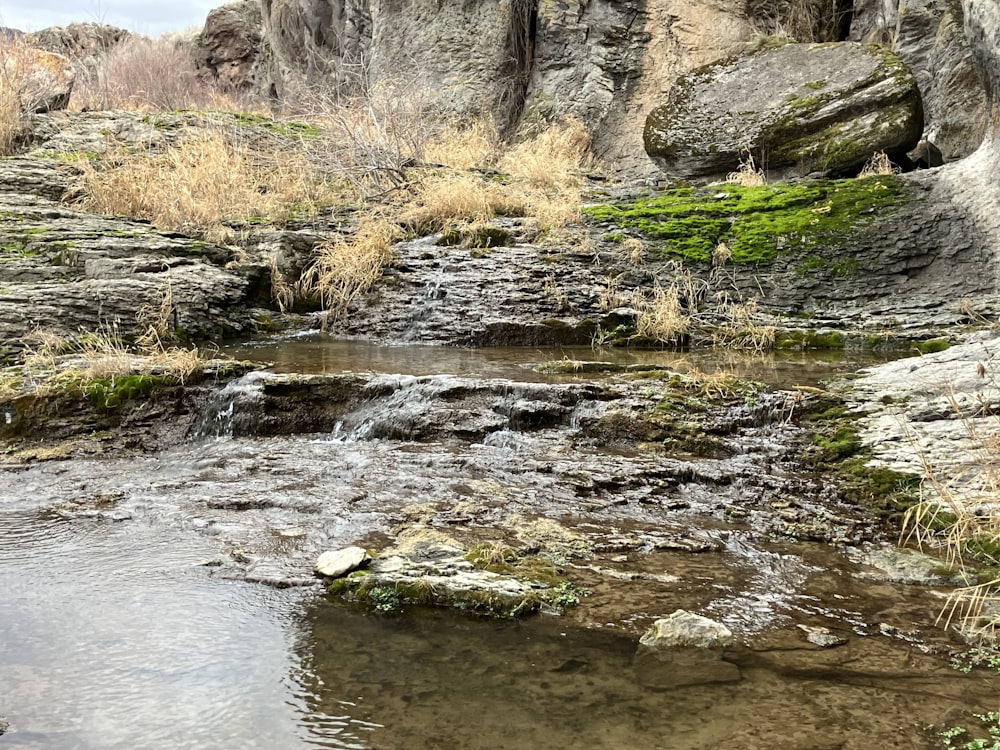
(800,109)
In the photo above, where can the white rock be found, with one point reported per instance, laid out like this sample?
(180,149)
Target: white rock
(336,563)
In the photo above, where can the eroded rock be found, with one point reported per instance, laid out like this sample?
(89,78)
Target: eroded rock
(800,109)
(228,50)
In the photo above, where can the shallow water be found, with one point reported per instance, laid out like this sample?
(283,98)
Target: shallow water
(133,611)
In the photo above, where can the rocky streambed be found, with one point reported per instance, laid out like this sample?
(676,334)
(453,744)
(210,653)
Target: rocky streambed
(630,490)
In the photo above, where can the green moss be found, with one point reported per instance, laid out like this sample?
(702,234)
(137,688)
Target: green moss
(816,85)
(932,345)
(757,223)
(281,127)
(796,340)
(108,393)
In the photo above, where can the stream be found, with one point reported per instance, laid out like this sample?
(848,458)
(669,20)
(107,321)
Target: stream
(167,600)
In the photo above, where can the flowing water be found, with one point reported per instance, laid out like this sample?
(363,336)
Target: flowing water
(167,601)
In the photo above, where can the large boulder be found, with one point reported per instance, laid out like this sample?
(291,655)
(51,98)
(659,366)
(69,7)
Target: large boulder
(228,50)
(43,81)
(800,109)
(83,43)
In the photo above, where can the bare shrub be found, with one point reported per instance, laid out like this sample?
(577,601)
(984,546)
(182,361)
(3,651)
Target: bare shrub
(13,100)
(342,270)
(370,139)
(145,74)
(204,182)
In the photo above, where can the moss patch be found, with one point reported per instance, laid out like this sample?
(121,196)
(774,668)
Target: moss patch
(756,223)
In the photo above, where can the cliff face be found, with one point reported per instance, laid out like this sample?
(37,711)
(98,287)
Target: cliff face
(608,63)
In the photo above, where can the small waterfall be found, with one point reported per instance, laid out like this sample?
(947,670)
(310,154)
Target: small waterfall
(232,409)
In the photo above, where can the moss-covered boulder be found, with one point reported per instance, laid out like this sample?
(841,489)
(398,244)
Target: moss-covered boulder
(799,109)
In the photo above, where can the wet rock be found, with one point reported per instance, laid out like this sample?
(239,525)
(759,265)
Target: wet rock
(901,565)
(687,630)
(814,109)
(822,637)
(44,80)
(684,649)
(341,562)
(429,568)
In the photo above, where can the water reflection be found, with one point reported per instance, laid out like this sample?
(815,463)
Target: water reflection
(319,353)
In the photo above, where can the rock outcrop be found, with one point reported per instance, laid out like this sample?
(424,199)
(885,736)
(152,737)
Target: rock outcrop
(229,49)
(800,110)
(43,80)
(928,36)
(83,43)
(66,271)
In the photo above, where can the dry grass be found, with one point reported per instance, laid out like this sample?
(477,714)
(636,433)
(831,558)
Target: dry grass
(12,118)
(961,518)
(879,164)
(343,270)
(446,199)
(748,174)
(663,316)
(743,326)
(464,145)
(203,184)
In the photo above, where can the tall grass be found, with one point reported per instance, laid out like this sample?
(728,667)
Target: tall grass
(342,270)
(205,182)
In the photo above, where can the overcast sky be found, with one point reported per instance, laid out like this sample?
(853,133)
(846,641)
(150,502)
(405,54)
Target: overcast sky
(144,16)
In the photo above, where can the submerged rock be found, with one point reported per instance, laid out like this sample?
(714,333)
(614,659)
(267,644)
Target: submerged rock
(822,637)
(340,562)
(684,649)
(900,565)
(684,629)
(801,109)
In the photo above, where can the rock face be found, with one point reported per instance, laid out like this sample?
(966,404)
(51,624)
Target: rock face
(228,50)
(63,270)
(799,110)
(44,80)
(928,35)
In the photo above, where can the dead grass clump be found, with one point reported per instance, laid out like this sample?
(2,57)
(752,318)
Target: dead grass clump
(879,164)
(204,183)
(444,200)
(748,174)
(345,269)
(743,326)
(464,145)
(552,159)
(144,74)
(663,316)
(12,117)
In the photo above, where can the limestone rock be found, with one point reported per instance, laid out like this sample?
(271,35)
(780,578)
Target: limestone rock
(900,565)
(44,80)
(228,49)
(341,562)
(800,109)
(684,629)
